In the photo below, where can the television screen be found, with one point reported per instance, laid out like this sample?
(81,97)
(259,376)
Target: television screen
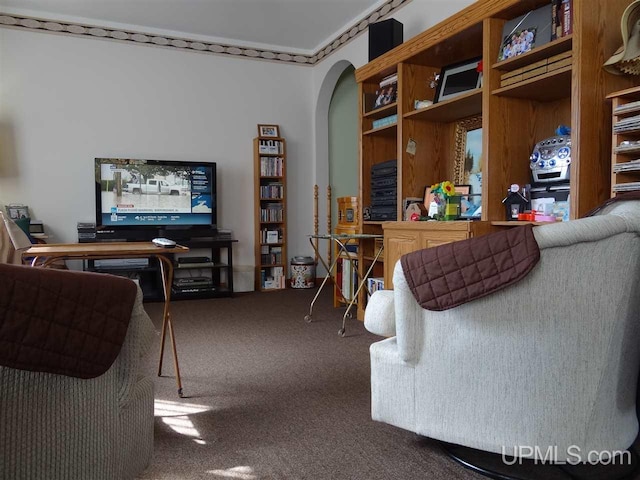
(155,193)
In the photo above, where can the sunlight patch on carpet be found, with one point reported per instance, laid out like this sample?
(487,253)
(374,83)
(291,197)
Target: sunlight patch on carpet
(176,416)
(241,472)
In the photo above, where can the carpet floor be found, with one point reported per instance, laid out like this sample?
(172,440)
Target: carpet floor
(269,396)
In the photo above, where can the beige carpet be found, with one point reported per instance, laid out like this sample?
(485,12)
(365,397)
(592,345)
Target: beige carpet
(269,396)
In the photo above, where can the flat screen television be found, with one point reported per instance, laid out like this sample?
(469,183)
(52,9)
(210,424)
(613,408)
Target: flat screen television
(155,194)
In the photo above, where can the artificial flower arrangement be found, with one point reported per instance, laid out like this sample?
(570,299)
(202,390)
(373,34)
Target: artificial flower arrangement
(436,202)
(443,190)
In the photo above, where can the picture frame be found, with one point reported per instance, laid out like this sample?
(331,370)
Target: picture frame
(539,21)
(270,131)
(458,78)
(16,211)
(467,168)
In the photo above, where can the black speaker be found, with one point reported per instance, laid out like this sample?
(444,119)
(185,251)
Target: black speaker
(383,36)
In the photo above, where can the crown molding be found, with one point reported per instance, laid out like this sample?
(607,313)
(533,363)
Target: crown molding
(75,29)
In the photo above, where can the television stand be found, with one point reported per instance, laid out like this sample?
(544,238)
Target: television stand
(209,275)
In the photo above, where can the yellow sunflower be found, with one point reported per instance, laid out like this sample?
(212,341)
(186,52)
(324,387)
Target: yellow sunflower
(448,188)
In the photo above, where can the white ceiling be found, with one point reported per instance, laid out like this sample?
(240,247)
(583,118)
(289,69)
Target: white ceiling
(296,26)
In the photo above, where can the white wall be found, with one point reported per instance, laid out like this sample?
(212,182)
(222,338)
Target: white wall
(65,100)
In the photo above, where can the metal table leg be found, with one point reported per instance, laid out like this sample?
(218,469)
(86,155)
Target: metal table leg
(309,318)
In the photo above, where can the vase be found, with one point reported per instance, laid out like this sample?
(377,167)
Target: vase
(452,207)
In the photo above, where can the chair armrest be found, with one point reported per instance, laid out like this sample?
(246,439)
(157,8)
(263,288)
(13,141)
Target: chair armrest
(379,316)
(140,336)
(396,313)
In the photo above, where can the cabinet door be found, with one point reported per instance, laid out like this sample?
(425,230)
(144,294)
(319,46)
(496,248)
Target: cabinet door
(433,239)
(397,243)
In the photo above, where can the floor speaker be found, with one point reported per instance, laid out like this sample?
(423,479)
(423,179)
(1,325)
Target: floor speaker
(384,36)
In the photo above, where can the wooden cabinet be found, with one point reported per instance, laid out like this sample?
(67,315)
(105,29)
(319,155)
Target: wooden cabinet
(625,144)
(270,180)
(401,238)
(571,91)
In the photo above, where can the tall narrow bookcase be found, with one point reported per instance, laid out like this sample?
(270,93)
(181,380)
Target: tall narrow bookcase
(270,180)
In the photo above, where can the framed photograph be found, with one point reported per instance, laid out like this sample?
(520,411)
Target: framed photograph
(268,131)
(467,168)
(16,211)
(517,43)
(526,32)
(457,79)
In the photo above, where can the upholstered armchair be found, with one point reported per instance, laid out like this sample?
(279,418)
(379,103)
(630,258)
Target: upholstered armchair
(75,402)
(550,361)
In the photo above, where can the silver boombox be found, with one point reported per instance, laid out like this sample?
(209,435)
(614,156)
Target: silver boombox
(550,159)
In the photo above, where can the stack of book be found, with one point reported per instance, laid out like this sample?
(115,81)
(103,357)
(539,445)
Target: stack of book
(273,279)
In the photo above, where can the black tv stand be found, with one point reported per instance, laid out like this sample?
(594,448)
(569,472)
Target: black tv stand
(213,259)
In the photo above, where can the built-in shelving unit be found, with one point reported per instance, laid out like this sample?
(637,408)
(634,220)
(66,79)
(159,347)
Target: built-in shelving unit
(571,90)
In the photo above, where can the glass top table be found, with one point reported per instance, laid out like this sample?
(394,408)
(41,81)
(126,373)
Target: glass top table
(343,241)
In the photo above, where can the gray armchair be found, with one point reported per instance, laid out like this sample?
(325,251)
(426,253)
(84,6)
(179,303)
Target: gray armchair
(551,361)
(56,426)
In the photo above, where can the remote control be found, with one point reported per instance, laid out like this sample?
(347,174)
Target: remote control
(164,242)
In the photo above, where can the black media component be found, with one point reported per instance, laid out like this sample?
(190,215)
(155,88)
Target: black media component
(384,190)
(384,36)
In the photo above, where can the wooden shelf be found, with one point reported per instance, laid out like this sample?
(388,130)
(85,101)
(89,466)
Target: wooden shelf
(382,112)
(547,87)
(465,105)
(547,50)
(386,131)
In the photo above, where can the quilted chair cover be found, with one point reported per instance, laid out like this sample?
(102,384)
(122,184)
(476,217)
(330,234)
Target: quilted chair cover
(549,361)
(61,427)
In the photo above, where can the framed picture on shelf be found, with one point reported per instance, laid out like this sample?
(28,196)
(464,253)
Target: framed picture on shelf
(386,96)
(458,78)
(525,32)
(467,169)
(268,131)
(16,211)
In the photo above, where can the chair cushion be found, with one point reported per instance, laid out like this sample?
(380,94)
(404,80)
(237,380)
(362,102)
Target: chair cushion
(64,322)
(449,275)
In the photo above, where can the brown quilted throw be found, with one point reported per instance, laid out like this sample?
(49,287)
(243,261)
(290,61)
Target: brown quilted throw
(63,322)
(449,275)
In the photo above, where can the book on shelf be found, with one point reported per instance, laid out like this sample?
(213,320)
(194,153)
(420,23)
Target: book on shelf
(272,278)
(630,166)
(567,17)
(271,147)
(272,236)
(374,284)
(383,122)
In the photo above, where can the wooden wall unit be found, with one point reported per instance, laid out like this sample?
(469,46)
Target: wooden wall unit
(514,117)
